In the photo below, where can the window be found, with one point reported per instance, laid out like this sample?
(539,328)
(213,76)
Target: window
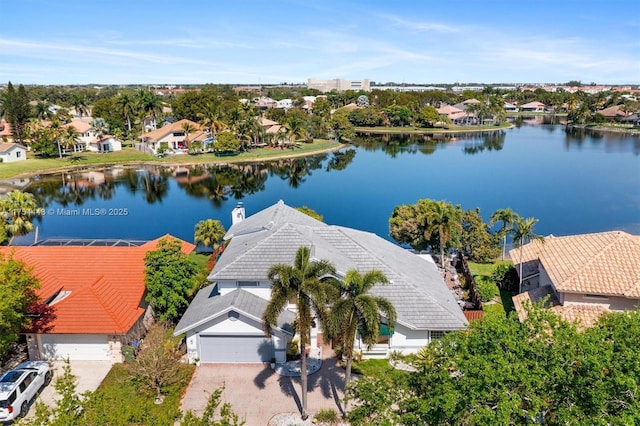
(6,403)
(18,154)
(248,284)
(437,334)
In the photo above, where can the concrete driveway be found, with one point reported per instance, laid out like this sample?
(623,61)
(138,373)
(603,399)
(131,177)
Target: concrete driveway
(89,375)
(257,393)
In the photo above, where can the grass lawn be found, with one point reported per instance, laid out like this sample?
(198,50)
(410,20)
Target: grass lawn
(482,274)
(375,368)
(120,400)
(131,155)
(201,260)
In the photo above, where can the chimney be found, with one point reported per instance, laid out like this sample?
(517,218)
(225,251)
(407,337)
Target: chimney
(237,214)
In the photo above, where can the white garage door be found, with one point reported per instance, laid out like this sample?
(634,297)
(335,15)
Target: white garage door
(244,349)
(84,347)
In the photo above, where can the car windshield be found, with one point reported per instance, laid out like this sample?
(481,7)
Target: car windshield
(11,377)
(4,403)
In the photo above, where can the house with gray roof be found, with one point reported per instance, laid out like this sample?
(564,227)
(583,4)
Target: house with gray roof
(232,306)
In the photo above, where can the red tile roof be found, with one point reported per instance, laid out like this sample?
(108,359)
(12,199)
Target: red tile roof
(106,284)
(163,131)
(599,263)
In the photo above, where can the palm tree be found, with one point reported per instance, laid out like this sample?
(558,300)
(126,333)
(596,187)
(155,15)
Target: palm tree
(79,103)
(210,118)
(42,111)
(148,105)
(127,105)
(17,210)
(67,138)
(209,232)
(522,234)
(99,127)
(295,128)
(357,311)
(508,218)
(444,219)
(301,281)
(187,128)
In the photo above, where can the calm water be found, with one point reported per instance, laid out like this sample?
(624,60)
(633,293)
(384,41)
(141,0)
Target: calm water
(573,183)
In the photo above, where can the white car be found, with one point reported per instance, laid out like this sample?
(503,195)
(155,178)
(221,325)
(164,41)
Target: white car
(18,387)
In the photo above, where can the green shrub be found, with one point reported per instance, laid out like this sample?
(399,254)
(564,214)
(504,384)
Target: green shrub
(327,415)
(506,277)
(293,348)
(487,289)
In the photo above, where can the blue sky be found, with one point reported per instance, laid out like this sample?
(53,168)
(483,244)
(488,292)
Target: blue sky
(253,41)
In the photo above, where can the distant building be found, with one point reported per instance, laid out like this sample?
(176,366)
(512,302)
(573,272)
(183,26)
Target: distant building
(339,85)
(411,88)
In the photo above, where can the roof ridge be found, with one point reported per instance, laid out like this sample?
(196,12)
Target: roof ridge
(100,300)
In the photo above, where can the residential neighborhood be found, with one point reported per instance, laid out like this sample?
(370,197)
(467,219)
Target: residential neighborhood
(319,213)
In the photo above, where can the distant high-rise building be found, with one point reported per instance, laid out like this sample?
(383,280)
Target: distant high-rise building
(339,85)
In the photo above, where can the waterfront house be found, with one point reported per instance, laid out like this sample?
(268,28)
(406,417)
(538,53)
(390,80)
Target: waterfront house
(96,295)
(11,152)
(534,106)
(509,107)
(6,135)
(173,136)
(614,113)
(88,140)
(224,321)
(581,276)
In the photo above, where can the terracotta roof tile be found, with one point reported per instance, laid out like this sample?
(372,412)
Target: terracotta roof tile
(585,314)
(604,263)
(106,284)
(158,134)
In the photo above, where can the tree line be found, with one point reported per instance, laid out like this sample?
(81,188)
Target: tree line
(440,226)
(126,112)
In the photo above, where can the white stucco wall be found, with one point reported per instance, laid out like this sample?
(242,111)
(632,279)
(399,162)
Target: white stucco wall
(225,325)
(14,154)
(612,303)
(408,341)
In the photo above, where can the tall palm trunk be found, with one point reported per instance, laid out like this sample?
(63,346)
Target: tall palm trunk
(504,247)
(304,379)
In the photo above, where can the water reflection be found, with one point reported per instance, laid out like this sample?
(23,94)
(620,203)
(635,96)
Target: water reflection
(394,144)
(218,183)
(611,142)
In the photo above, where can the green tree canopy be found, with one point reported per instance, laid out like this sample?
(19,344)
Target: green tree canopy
(501,371)
(17,286)
(426,224)
(170,277)
(17,210)
(209,232)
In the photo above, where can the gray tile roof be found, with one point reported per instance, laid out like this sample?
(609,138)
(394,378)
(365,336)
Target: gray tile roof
(418,292)
(208,304)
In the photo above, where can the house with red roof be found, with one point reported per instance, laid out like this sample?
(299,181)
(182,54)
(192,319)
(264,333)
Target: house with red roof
(95,295)
(580,277)
(90,141)
(173,135)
